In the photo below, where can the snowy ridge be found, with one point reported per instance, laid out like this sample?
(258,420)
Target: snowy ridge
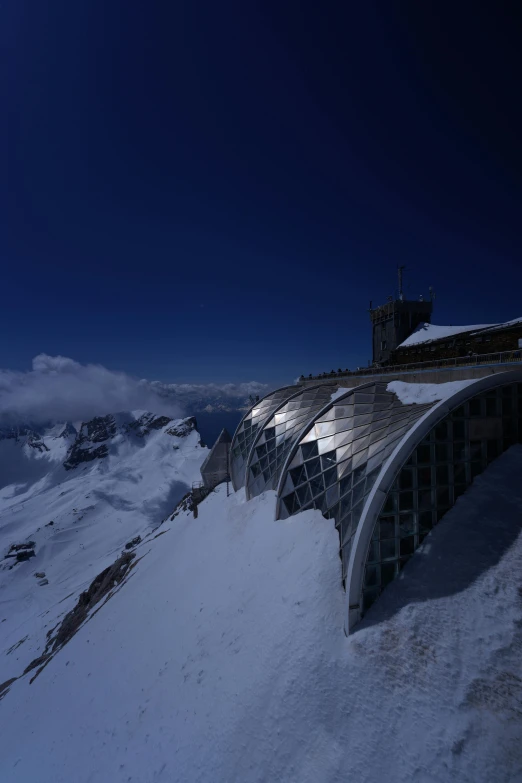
(222,658)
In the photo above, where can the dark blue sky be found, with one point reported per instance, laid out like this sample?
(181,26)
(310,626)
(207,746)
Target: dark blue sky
(215,191)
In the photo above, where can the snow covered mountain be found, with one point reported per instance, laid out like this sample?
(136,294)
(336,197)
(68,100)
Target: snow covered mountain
(212,650)
(71,498)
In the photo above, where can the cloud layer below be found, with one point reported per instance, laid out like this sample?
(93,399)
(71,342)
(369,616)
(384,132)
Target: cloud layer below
(59,388)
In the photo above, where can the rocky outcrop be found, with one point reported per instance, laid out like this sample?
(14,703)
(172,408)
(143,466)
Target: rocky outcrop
(35,442)
(92,442)
(102,587)
(85,448)
(68,431)
(183,428)
(23,434)
(21,552)
(146,423)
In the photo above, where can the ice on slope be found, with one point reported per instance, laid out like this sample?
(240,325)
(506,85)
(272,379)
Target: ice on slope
(223,658)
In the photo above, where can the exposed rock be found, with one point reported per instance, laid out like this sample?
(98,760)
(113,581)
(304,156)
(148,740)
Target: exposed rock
(25,555)
(35,442)
(98,430)
(184,428)
(43,582)
(101,587)
(15,646)
(16,432)
(146,423)
(21,547)
(4,686)
(40,574)
(68,431)
(133,542)
(52,521)
(22,551)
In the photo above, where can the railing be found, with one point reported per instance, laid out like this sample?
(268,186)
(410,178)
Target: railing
(475,360)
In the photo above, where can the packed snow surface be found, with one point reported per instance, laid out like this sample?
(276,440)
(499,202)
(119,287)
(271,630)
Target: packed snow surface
(80,519)
(426,392)
(223,658)
(424,333)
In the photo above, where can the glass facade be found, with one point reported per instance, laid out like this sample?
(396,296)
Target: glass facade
(248,430)
(277,436)
(438,471)
(335,464)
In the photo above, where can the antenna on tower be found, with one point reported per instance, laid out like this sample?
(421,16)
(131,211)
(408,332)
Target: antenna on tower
(399,273)
(432,294)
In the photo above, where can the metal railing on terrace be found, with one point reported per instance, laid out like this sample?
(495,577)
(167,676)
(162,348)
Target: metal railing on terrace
(475,360)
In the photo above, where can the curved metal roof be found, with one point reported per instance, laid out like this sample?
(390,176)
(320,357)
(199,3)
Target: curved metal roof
(276,437)
(385,471)
(247,429)
(475,419)
(338,456)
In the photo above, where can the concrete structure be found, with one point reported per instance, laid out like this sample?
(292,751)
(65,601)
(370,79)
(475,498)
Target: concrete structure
(384,471)
(437,371)
(215,468)
(393,322)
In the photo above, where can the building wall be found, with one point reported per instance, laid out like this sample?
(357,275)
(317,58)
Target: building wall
(393,323)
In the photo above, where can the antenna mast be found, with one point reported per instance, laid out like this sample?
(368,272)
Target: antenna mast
(399,272)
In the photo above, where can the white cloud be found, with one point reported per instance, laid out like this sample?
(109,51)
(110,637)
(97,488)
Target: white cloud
(59,388)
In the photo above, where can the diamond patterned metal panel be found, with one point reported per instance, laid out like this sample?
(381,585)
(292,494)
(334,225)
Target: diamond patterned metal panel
(337,461)
(247,431)
(275,440)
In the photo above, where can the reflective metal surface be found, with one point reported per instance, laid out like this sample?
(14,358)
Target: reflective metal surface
(334,465)
(278,434)
(247,431)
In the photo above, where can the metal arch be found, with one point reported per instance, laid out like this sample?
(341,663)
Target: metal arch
(306,429)
(261,429)
(386,477)
(232,444)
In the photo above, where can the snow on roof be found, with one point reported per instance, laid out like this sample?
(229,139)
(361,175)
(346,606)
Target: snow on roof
(425,333)
(505,325)
(339,393)
(420,393)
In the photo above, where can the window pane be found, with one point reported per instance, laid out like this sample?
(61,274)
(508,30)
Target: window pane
(424,477)
(423,454)
(387,527)
(442,473)
(405,501)
(406,478)
(309,450)
(313,467)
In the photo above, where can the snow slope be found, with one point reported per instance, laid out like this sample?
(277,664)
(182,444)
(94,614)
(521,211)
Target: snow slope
(79,519)
(222,658)
(426,332)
